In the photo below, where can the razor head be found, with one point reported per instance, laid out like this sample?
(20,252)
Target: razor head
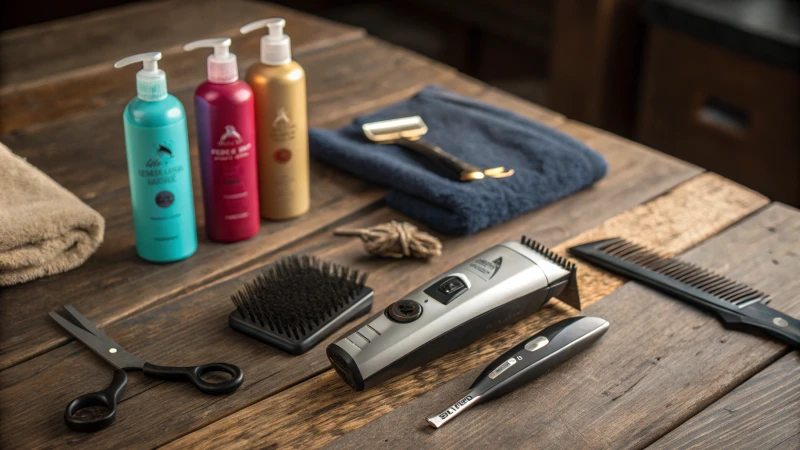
(569,292)
(388,131)
(619,254)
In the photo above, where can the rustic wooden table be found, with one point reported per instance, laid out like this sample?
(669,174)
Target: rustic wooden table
(666,375)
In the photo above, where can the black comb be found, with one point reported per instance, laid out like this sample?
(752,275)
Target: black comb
(736,303)
(570,295)
(299,301)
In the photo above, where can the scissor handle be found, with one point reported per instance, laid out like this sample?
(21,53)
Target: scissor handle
(194,375)
(106,398)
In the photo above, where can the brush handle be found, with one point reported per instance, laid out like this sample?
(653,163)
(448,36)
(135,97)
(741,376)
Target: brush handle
(465,171)
(776,323)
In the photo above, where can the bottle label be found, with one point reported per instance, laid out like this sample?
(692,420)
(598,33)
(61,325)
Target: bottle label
(233,159)
(282,155)
(283,129)
(230,146)
(161,167)
(161,190)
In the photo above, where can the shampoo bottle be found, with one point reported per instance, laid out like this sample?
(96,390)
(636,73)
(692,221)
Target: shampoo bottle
(226,140)
(157,146)
(279,86)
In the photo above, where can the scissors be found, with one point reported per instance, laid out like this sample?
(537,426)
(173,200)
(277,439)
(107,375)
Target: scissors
(114,354)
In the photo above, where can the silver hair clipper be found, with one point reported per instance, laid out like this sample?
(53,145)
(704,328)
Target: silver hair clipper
(484,293)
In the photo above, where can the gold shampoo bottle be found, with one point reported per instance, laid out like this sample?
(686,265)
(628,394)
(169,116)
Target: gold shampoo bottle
(279,88)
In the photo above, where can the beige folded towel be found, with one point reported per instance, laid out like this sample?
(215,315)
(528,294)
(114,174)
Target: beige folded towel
(44,228)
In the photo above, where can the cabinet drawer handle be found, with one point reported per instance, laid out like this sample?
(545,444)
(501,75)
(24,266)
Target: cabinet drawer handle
(721,114)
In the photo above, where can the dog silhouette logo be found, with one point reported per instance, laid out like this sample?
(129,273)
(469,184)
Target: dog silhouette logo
(282,121)
(230,136)
(163,150)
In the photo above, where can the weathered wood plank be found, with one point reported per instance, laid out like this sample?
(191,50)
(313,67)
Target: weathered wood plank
(469,86)
(763,412)
(333,409)
(115,272)
(193,327)
(660,363)
(69,97)
(114,282)
(85,45)
(652,231)
(86,154)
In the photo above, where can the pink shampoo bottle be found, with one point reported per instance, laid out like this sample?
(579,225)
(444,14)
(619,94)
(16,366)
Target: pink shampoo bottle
(226,139)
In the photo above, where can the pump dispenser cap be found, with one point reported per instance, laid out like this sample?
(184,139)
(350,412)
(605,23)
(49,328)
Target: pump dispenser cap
(222,67)
(151,82)
(276,48)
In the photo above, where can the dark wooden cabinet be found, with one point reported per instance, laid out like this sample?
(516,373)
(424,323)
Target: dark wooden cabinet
(723,108)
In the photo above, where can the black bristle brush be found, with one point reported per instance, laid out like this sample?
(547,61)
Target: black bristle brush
(298,301)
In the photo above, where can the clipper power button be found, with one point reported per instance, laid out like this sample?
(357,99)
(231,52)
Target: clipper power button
(404,311)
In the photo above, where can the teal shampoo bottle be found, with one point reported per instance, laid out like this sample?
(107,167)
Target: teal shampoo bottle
(157,145)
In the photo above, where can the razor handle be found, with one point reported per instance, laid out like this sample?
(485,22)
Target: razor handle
(490,290)
(463,170)
(526,361)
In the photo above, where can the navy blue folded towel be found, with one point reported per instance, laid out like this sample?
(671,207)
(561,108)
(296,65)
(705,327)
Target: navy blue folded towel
(548,164)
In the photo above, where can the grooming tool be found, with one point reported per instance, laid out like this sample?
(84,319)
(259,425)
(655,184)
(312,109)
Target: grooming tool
(299,301)
(484,293)
(408,131)
(736,303)
(84,330)
(529,359)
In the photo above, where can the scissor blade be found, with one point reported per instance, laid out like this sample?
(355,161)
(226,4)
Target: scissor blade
(85,323)
(104,347)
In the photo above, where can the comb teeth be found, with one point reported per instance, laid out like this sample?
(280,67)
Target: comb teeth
(547,253)
(709,282)
(298,295)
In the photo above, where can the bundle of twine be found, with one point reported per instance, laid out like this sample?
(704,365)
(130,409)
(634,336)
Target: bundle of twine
(395,240)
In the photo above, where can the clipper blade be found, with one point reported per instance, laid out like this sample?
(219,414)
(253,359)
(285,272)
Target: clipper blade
(570,295)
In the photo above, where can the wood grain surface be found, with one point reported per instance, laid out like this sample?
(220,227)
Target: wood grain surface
(193,321)
(763,412)
(74,47)
(333,409)
(115,282)
(60,107)
(89,81)
(376,74)
(661,362)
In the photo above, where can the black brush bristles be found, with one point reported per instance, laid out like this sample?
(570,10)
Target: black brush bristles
(298,301)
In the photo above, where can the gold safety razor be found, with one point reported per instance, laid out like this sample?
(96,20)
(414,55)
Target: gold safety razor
(408,132)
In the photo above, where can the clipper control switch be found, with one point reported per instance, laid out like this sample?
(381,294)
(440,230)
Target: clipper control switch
(447,289)
(451,285)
